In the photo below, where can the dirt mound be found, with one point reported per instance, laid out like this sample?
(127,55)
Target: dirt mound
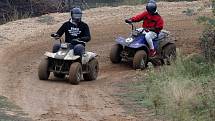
(23,42)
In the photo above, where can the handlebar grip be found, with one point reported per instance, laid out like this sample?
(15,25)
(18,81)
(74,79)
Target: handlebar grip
(79,41)
(128,21)
(54,35)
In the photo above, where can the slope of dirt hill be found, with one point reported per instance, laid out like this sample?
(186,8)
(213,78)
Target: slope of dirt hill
(23,42)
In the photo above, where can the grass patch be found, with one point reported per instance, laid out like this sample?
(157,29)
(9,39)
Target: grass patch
(181,92)
(49,20)
(5,104)
(10,112)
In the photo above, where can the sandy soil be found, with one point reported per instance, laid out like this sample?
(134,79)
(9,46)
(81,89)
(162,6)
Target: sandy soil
(23,43)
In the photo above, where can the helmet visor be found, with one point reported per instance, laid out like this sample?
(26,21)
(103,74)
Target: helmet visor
(76,16)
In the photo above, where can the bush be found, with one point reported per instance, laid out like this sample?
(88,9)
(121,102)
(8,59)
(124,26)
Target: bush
(208,36)
(181,92)
(49,20)
(208,43)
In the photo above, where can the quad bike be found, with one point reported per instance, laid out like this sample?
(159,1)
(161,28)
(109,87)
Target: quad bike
(64,62)
(135,49)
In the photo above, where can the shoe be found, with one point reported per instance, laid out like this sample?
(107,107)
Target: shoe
(152,52)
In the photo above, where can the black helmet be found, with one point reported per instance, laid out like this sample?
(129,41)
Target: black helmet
(151,7)
(76,14)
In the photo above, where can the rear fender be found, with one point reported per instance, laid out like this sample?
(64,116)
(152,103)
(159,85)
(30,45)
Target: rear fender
(165,42)
(145,48)
(139,42)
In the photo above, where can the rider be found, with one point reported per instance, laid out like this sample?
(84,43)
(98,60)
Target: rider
(76,32)
(152,21)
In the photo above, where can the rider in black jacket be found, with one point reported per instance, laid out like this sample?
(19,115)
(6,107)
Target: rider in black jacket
(76,32)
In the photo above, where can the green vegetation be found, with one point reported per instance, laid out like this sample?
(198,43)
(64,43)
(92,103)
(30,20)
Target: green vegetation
(208,37)
(177,0)
(181,92)
(189,12)
(208,43)
(12,10)
(49,20)
(184,91)
(10,112)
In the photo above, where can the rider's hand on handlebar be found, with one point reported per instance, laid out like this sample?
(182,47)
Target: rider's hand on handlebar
(152,29)
(78,40)
(75,40)
(146,30)
(128,21)
(55,35)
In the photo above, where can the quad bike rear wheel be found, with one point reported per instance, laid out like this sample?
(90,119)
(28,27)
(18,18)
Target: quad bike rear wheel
(58,75)
(169,52)
(43,71)
(93,70)
(140,60)
(75,73)
(157,62)
(115,53)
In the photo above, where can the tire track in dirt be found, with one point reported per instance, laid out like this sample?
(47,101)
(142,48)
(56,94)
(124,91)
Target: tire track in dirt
(87,99)
(56,99)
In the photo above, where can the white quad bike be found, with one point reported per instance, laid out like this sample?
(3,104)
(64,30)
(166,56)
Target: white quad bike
(64,62)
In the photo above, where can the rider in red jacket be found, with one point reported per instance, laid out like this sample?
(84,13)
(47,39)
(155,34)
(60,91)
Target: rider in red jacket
(152,21)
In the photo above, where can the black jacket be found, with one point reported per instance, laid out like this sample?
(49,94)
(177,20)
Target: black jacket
(73,31)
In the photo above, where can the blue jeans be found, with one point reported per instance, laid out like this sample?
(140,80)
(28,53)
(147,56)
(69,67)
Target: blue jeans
(79,49)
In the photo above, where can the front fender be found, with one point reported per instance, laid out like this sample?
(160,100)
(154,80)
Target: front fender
(88,56)
(121,41)
(136,45)
(50,55)
(71,56)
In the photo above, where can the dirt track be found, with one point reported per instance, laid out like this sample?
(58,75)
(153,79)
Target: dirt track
(23,43)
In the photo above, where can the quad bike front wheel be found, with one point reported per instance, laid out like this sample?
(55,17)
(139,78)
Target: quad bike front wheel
(43,71)
(140,60)
(75,73)
(93,70)
(115,53)
(169,52)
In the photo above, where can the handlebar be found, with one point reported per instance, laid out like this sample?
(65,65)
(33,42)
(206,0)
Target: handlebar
(57,37)
(79,41)
(132,26)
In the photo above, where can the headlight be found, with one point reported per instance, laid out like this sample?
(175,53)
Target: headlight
(129,40)
(64,46)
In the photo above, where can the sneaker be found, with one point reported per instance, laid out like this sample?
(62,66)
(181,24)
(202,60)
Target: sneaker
(152,52)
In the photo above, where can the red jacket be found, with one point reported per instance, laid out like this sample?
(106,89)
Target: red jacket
(152,22)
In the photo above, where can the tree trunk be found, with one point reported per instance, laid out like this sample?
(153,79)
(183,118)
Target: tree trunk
(69,3)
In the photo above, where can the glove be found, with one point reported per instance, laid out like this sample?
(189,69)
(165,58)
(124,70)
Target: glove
(54,35)
(128,21)
(78,40)
(85,39)
(152,29)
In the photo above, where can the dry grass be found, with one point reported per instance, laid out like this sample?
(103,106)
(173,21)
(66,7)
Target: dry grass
(181,92)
